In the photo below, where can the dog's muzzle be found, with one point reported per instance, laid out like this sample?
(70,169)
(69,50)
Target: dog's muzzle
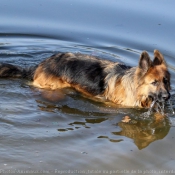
(163,96)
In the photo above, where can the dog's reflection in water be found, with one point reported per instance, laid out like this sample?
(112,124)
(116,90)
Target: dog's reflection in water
(144,132)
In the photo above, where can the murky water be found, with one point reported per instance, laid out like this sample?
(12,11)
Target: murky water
(60,131)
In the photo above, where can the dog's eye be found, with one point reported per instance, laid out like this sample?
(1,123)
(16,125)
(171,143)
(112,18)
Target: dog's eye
(155,83)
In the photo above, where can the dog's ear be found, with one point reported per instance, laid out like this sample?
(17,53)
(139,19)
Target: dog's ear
(158,58)
(145,62)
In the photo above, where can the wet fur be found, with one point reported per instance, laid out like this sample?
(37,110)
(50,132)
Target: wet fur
(100,79)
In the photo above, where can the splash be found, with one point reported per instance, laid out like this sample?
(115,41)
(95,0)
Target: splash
(148,113)
(160,107)
(157,106)
(171,116)
(171,106)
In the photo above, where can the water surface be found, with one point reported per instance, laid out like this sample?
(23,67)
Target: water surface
(60,131)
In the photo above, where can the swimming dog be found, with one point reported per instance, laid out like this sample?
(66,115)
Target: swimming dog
(100,79)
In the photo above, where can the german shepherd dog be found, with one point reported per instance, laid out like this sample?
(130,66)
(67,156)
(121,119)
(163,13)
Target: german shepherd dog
(101,79)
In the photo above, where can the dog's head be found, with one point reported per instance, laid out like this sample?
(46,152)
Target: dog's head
(153,79)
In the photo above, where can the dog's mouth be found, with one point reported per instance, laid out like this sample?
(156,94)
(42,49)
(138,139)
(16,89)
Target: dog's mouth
(160,98)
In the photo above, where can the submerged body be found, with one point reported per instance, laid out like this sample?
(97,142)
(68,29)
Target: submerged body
(101,79)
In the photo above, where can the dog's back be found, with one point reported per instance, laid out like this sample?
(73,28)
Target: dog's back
(87,74)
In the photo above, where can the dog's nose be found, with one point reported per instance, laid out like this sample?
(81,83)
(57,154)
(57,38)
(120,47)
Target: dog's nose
(165,96)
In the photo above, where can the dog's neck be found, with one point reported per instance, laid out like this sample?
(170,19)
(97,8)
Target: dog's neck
(122,89)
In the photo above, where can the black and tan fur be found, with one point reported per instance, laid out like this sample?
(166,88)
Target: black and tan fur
(101,79)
